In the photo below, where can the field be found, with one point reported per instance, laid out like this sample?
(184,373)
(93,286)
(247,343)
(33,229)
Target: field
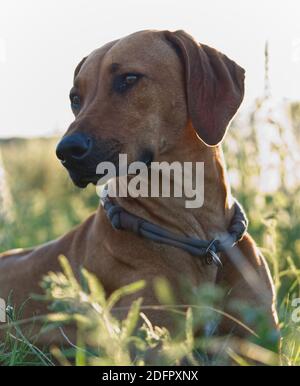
(39,203)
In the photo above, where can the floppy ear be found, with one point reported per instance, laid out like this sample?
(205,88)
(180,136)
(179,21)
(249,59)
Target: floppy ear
(214,83)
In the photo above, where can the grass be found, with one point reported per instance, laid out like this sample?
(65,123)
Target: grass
(39,203)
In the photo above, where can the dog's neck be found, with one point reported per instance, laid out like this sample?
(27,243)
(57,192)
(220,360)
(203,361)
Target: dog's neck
(217,209)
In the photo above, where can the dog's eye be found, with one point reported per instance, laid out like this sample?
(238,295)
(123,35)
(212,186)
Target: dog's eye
(123,82)
(75,102)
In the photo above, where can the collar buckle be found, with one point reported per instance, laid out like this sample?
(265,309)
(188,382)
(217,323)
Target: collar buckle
(211,256)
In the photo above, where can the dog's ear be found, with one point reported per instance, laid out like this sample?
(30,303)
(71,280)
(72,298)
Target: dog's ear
(214,84)
(78,67)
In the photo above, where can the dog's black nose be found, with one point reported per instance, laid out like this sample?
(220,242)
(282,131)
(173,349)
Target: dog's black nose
(74,147)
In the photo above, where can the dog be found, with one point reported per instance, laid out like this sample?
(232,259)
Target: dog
(153,95)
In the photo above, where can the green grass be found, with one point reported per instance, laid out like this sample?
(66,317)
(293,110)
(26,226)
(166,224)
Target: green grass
(39,203)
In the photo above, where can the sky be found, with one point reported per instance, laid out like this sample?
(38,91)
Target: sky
(42,41)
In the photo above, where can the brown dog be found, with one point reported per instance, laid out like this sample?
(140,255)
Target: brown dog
(154,95)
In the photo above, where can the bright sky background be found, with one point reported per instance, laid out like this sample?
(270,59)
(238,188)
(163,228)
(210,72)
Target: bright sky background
(42,41)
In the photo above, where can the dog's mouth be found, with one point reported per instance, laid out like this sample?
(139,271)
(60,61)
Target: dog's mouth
(83,175)
(85,170)
(82,181)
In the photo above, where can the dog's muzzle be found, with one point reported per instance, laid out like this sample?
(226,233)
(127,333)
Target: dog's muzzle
(80,154)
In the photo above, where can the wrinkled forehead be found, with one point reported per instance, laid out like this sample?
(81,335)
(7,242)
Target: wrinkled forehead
(147,47)
(141,51)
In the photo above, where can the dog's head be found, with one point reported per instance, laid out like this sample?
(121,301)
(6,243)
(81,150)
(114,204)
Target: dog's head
(136,95)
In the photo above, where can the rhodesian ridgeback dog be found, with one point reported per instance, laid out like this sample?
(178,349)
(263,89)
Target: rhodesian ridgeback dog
(153,95)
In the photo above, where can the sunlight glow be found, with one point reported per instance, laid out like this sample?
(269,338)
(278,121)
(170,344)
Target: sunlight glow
(41,43)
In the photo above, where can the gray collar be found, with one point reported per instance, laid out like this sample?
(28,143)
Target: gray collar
(122,220)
